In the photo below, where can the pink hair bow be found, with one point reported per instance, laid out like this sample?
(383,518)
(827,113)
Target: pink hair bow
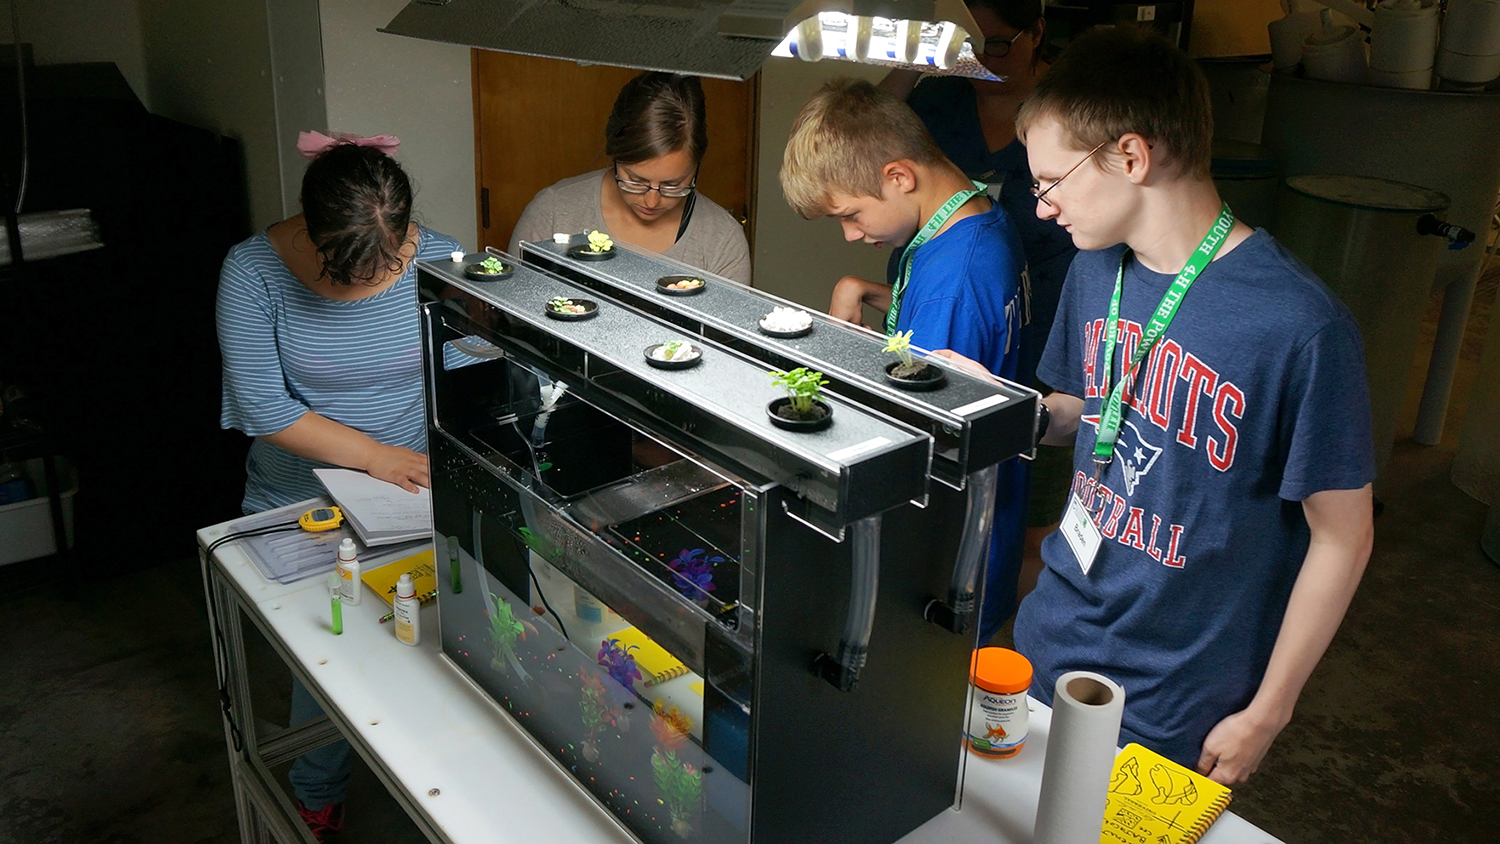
(314,144)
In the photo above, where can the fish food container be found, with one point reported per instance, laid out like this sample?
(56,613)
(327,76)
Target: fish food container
(998,680)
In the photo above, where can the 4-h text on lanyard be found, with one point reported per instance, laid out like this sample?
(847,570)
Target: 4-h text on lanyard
(938,219)
(1077,526)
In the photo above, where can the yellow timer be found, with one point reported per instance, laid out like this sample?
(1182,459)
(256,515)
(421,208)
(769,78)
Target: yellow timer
(323,518)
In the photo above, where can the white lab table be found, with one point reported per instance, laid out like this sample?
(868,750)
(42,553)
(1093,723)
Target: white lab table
(461,768)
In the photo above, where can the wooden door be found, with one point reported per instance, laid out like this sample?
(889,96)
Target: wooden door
(537,121)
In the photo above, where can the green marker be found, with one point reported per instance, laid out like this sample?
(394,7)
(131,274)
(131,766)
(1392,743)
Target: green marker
(457,577)
(338,603)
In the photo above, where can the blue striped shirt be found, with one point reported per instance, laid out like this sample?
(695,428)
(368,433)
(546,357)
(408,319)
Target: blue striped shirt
(288,350)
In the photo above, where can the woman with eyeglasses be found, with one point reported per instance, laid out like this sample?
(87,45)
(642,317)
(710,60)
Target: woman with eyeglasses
(655,139)
(974,123)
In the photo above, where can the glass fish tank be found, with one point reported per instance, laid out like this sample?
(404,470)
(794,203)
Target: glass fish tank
(718,627)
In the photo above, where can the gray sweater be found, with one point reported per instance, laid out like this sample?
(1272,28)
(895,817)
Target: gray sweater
(714,241)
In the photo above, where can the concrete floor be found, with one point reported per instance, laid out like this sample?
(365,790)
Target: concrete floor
(109,730)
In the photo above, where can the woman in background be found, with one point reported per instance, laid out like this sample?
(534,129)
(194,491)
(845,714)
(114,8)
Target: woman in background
(655,139)
(317,321)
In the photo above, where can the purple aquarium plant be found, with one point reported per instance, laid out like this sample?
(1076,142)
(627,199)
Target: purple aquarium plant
(618,660)
(693,572)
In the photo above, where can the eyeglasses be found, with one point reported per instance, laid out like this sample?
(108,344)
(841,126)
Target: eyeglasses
(666,191)
(999,48)
(1041,195)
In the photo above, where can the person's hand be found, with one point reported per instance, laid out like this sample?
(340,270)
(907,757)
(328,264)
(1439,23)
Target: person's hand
(973,367)
(1234,747)
(401,466)
(848,303)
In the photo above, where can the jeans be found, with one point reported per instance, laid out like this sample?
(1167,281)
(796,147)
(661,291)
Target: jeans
(320,776)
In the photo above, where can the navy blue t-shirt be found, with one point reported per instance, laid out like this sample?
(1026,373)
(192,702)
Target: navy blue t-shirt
(946,104)
(1253,400)
(964,295)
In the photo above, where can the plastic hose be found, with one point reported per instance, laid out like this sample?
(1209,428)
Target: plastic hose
(864,585)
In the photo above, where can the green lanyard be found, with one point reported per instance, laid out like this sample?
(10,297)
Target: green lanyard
(939,218)
(1113,410)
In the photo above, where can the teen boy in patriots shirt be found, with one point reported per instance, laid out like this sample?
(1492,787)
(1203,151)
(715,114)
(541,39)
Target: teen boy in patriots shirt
(1209,555)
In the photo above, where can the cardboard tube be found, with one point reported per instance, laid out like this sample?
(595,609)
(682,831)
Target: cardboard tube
(1472,27)
(1461,67)
(1405,36)
(1287,35)
(1336,55)
(1086,711)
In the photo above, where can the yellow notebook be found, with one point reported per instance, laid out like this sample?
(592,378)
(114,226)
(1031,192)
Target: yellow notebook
(657,666)
(382,581)
(1153,800)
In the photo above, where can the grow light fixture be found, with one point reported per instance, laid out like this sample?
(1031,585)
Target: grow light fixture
(729,39)
(941,47)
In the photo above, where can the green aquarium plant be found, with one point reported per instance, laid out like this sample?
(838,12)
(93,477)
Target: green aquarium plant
(803,386)
(681,787)
(505,631)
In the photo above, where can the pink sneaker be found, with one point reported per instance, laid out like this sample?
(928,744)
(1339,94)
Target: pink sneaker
(325,822)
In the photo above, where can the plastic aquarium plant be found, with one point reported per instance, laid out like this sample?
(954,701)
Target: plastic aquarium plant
(597,714)
(540,544)
(670,727)
(505,631)
(618,660)
(803,386)
(680,785)
(693,572)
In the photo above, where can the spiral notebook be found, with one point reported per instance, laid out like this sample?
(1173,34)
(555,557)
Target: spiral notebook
(1153,800)
(656,664)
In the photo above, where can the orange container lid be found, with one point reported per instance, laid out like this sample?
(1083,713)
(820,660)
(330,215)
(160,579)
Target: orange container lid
(1000,670)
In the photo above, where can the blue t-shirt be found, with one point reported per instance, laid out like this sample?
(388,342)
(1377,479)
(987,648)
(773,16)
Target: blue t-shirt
(946,104)
(1253,400)
(288,350)
(964,295)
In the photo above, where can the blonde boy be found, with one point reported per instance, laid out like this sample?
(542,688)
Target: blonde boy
(861,156)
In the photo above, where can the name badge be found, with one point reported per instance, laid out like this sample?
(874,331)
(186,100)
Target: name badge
(1081,533)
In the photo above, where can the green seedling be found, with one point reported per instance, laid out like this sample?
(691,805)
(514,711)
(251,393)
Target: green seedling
(802,386)
(492,265)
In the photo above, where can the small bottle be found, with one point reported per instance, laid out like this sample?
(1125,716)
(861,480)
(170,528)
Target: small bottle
(408,622)
(998,680)
(349,573)
(587,607)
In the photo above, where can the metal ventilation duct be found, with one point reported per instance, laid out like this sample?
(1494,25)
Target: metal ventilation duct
(729,40)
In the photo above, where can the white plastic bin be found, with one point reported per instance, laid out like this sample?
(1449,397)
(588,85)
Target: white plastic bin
(26,526)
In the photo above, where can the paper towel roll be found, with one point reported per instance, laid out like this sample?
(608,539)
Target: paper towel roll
(1473,70)
(1335,55)
(1086,710)
(1404,37)
(1472,27)
(1416,80)
(1287,35)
